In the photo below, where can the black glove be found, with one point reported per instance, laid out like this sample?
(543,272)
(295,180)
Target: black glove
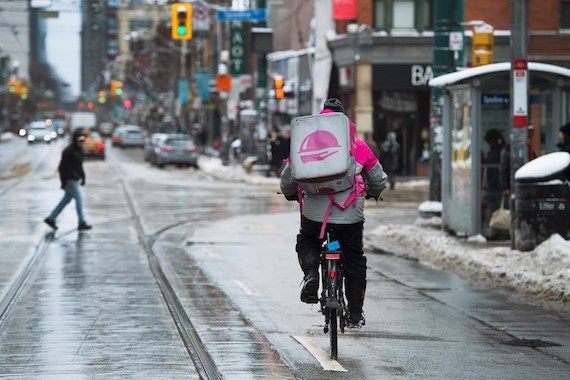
(293,197)
(82,183)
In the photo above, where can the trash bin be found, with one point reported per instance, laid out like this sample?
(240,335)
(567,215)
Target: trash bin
(542,200)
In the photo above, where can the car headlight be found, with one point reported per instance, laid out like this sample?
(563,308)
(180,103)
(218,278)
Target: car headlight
(47,138)
(31,137)
(53,134)
(22,132)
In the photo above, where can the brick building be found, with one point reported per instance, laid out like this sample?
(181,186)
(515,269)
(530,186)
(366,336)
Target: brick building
(381,73)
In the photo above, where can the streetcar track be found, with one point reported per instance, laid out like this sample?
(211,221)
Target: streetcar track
(196,349)
(25,274)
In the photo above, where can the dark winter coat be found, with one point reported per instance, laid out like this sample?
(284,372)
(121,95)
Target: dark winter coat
(71,165)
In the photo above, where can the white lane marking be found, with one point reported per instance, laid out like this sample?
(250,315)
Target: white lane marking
(247,288)
(321,355)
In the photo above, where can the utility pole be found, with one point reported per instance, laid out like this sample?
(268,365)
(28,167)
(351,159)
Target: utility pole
(448,15)
(519,96)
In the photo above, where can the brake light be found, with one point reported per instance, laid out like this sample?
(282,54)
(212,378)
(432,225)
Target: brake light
(100,145)
(167,148)
(332,274)
(190,148)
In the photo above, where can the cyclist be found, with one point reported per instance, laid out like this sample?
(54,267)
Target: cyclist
(346,225)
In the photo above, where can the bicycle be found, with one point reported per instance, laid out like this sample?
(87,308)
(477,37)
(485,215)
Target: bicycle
(332,301)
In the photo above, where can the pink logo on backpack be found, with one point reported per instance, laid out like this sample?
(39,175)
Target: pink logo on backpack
(318,146)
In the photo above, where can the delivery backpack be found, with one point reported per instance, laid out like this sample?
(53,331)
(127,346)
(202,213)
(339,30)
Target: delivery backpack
(321,162)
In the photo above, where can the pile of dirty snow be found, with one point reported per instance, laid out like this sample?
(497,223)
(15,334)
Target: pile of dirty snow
(214,167)
(543,274)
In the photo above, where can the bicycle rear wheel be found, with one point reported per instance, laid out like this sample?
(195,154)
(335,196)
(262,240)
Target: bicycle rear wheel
(333,333)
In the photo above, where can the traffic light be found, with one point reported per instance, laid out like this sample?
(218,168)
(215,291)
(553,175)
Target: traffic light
(278,83)
(15,86)
(128,104)
(181,21)
(482,45)
(101,97)
(116,88)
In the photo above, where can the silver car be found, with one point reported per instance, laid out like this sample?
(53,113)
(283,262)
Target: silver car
(175,149)
(132,135)
(38,131)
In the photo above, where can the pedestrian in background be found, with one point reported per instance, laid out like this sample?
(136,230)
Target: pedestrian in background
(564,143)
(71,175)
(390,150)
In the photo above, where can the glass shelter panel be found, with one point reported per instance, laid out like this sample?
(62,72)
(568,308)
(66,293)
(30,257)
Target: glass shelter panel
(460,216)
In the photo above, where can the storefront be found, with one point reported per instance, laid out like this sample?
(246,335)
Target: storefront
(401,99)
(476,117)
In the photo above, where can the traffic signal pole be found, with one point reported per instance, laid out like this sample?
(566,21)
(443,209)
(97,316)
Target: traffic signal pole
(448,15)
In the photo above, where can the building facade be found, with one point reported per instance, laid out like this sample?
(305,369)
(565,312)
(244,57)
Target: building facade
(381,73)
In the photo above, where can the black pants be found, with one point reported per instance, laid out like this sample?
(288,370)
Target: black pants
(350,238)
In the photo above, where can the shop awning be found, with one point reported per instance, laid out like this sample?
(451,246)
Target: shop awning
(458,76)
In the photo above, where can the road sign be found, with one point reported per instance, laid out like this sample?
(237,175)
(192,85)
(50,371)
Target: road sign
(246,15)
(456,41)
(224,82)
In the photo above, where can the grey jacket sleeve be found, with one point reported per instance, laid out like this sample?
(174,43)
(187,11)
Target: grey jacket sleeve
(288,184)
(375,180)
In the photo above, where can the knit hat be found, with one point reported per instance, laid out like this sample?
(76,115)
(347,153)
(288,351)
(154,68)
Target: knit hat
(335,105)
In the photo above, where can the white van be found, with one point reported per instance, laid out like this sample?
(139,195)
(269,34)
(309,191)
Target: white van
(87,120)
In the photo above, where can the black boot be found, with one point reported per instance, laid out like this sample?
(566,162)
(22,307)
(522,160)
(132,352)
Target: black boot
(310,288)
(83,226)
(51,223)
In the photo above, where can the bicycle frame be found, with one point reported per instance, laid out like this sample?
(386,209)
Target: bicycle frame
(332,295)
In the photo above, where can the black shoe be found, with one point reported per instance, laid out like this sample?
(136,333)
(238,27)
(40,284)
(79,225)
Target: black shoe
(51,223)
(355,320)
(310,288)
(84,226)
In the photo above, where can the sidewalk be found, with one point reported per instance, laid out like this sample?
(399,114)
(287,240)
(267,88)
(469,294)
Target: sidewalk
(409,190)
(542,275)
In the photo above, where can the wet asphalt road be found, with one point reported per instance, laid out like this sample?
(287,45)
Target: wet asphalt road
(92,307)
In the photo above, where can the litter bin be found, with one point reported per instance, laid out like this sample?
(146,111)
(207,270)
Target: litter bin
(542,200)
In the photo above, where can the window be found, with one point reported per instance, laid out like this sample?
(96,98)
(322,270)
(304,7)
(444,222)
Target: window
(380,14)
(565,14)
(403,14)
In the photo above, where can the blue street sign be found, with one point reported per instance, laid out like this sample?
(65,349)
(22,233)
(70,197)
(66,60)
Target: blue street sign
(247,15)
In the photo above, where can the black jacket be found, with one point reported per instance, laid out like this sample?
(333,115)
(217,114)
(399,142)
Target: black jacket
(71,164)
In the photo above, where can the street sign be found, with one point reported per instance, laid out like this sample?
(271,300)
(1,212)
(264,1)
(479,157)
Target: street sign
(224,82)
(456,41)
(238,62)
(246,15)
(520,96)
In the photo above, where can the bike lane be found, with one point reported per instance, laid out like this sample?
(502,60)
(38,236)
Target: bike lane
(420,321)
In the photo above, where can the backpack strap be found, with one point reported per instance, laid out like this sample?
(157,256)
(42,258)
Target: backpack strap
(352,200)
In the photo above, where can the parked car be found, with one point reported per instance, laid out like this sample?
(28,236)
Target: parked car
(106,129)
(38,131)
(94,146)
(116,138)
(151,144)
(175,149)
(129,136)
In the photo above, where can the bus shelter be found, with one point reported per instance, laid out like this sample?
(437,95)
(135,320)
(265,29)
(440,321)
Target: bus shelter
(476,120)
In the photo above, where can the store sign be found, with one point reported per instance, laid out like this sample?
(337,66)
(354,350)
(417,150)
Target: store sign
(344,9)
(391,76)
(238,63)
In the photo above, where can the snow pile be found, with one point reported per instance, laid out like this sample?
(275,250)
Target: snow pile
(413,184)
(543,274)
(543,167)
(7,136)
(430,207)
(214,167)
